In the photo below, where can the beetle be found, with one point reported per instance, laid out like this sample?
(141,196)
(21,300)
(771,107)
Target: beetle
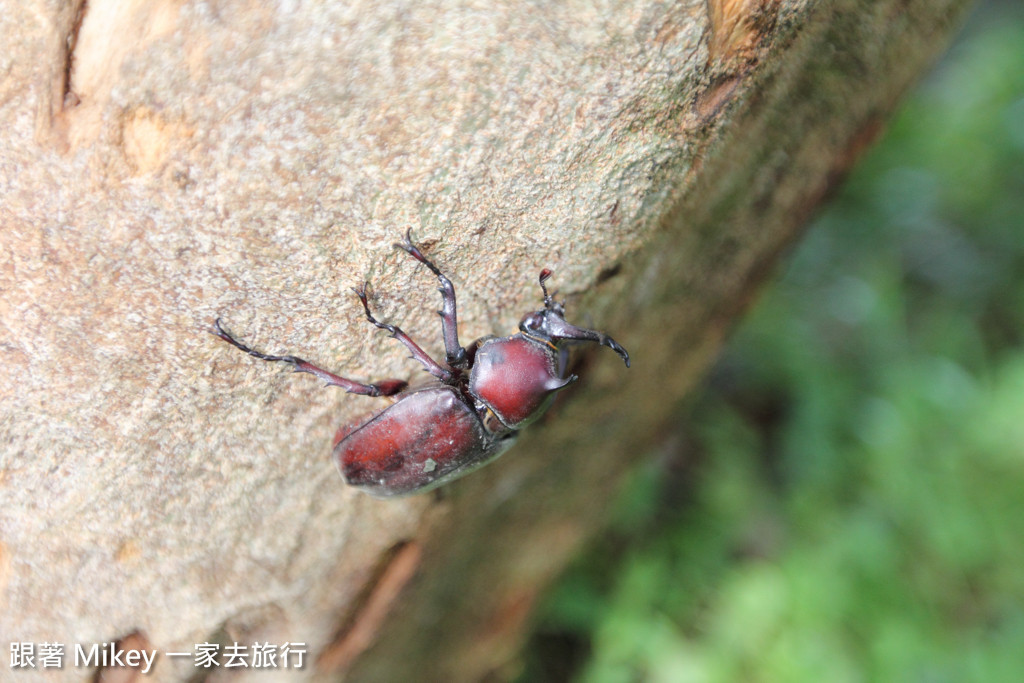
(472,410)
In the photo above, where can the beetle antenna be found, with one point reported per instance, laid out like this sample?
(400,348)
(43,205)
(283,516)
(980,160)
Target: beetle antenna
(548,301)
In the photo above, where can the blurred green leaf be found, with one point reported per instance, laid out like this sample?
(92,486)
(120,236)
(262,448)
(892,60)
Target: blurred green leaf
(853,477)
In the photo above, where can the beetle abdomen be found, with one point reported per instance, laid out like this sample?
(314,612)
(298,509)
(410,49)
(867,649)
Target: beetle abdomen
(426,438)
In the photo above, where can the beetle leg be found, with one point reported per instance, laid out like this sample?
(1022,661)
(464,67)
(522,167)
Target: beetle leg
(387,387)
(455,355)
(431,365)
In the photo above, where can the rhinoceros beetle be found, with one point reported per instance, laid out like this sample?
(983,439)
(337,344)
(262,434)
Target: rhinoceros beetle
(482,395)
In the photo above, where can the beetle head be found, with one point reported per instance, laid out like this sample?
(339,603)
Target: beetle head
(549,325)
(536,324)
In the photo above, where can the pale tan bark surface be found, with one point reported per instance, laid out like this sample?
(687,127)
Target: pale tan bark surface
(163,163)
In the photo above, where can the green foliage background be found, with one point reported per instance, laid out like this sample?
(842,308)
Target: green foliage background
(845,502)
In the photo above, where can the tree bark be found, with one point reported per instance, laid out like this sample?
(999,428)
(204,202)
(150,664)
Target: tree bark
(165,163)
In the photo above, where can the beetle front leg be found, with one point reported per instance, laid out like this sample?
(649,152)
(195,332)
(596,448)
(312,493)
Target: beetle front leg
(387,387)
(431,365)
(455,355)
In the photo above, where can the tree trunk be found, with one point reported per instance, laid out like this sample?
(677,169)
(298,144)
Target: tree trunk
(164,163)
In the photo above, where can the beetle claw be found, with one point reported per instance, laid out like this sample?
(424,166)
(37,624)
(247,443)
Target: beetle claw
(406,244)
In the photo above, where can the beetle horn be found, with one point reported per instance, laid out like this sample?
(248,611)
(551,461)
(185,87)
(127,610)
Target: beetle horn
(559,330)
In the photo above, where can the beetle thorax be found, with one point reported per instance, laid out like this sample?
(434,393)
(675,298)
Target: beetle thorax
(516,377)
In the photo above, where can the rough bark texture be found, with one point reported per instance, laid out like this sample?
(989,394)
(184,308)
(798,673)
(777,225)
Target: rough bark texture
(166,162)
